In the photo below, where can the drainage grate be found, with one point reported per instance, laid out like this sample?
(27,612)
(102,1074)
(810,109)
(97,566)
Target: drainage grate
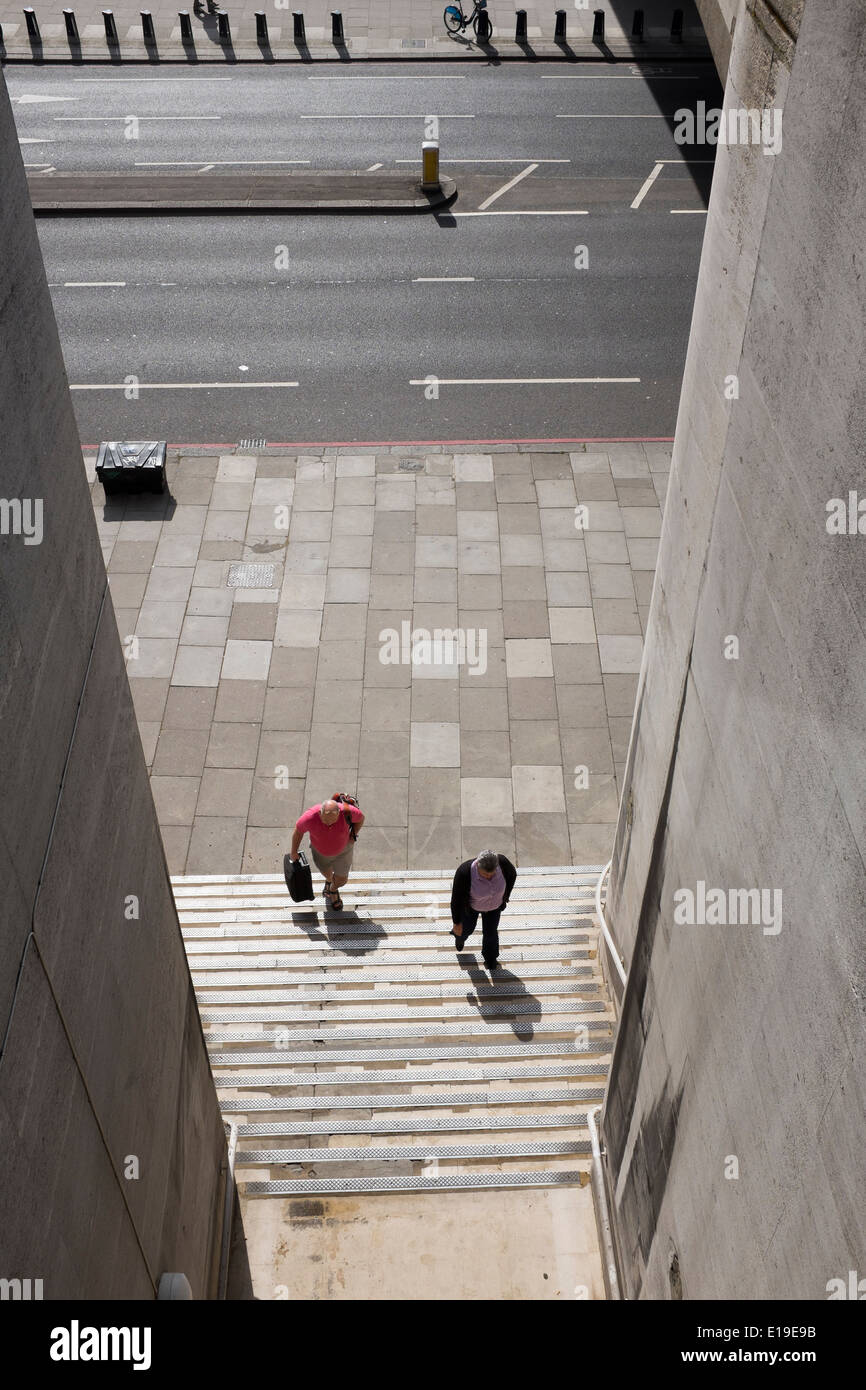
(413,43)
(411,465)
(250,577)
(252,443)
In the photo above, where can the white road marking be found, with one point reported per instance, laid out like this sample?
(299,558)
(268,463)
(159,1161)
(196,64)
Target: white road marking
(190,81)
(552,212)
(412,77)
(530,168)
(35,140)
(603,77)
(205,169)
(138,118)
(647,184)
(214,164)
(181,385)
(30,100)
(443,280)
(524,160)
(373,167)
(699,212)
(527,380)
(601,116)
(93,284)
(354,116)
(43,168)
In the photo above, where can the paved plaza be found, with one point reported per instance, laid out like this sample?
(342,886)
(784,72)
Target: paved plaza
(280,617)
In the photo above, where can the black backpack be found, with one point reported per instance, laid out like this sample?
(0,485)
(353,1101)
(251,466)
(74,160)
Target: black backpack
(344,799)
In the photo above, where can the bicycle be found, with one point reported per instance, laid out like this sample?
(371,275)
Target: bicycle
(456,21)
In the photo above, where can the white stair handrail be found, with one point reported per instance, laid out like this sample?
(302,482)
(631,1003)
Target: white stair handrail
(612,947)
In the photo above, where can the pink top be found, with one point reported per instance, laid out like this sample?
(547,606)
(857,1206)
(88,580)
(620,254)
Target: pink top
(327,839)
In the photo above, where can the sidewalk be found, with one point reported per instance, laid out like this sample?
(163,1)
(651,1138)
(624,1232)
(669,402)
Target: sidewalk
(267,595)
(373,29)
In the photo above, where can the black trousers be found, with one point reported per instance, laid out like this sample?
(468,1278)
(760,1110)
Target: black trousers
(489,930)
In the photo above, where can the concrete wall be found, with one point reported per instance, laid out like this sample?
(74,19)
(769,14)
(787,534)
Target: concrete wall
(102,1051)
(750,772)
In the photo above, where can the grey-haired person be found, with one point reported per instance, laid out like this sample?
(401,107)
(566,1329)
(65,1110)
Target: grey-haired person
(481,887)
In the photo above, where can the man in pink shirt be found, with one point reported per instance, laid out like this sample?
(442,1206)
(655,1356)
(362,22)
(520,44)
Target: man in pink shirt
(331,841)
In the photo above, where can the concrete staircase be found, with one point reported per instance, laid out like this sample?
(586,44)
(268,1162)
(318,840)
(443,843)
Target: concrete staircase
(358,1052)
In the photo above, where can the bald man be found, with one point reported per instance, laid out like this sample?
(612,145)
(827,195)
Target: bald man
(331,844)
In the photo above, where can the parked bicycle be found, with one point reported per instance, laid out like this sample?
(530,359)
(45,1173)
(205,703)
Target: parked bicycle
(457,21)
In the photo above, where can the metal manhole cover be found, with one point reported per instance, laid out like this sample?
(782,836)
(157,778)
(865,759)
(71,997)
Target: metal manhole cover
(411,465)
(251,577)
(413,43)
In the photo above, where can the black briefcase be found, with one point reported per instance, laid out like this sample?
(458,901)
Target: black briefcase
(299,879)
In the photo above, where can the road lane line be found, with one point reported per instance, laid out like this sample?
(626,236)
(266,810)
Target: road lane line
(524,160)
(213,164)
(626,77)
(602,116)
(373,167)
(190,81)
(699,212)
(35,140)
(182,385)
(79,119)
(526,380)
(410,77)
(647,184)
(93,284)
(444,280)
(530,169)
(354,116)
(552,212)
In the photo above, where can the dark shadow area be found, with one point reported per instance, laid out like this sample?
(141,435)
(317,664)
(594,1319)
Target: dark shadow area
(139,506)
(339,927)
(239,1285)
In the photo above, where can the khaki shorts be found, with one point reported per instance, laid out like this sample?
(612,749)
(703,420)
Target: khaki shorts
(334,865)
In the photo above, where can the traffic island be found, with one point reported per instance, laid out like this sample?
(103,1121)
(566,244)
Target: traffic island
(339,190)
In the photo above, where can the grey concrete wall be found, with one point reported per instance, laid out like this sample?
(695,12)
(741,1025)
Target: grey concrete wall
(102,1052)
(751,772)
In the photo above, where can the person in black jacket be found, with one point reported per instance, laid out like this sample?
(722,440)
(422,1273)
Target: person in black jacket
(481,885)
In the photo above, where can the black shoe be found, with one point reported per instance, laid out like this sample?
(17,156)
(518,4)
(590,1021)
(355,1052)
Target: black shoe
(491,965)
(458,943)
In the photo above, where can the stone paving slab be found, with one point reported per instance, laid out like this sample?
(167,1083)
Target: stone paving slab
(470,682)
(404,29)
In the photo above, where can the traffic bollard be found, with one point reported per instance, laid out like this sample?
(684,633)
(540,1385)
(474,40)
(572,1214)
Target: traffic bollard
(559,31)
(261,26)
(598,26)
(637,26)
(110,26)
(71,26)
(520,26)
(337,28)
(223,27)
(148,32)
(429,166)
(677,25)
(32,24)
(185,26)
(300,33)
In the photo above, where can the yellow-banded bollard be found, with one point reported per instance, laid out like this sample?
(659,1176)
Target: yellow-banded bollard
(430,166)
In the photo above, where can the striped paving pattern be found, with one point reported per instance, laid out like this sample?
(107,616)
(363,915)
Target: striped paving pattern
(376,998)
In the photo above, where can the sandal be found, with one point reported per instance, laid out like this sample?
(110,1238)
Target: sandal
(332,896)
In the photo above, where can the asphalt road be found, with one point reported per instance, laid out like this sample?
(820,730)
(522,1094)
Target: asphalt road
(211,318)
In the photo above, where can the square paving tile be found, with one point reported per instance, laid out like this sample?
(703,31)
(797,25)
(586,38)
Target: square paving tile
(485,753)
(486,801)
(473,468)
(197,666)
(204,632)
(224,792)
(571,625)
(435,745)
(276,806)
(537,788)
(288,707)
(246,661)
(348,586)
(233,745)
(535,742)
(216,845)
(152,656)
(620,654)
(180,753)
(298,628)
(484,710)
(528,658)
(530,698)
(175,798)
(521,550)
(156,619)
(240,702)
